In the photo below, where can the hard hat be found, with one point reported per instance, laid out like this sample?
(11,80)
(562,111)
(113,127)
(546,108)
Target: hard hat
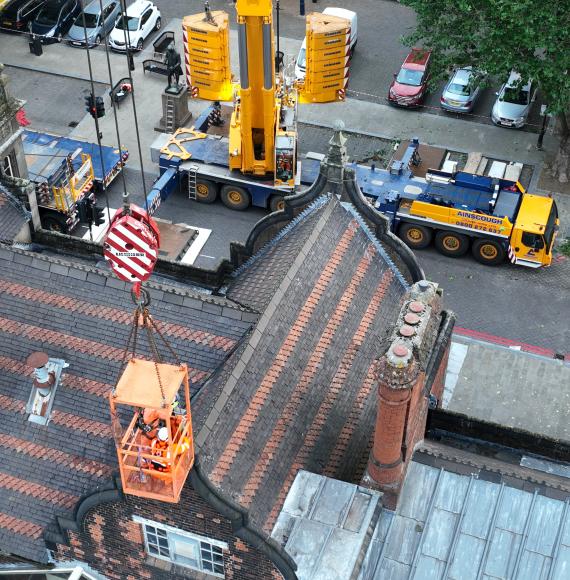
(163,434)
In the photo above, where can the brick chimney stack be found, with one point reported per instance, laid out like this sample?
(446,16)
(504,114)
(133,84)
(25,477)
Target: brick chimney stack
(402,394)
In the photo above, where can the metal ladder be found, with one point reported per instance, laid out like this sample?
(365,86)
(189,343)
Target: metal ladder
(169,121)
(192,171)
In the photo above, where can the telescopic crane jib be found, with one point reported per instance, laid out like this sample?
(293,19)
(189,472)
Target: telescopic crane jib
(262,133)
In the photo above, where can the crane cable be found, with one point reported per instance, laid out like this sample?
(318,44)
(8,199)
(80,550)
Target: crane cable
(92,83)
(143,319)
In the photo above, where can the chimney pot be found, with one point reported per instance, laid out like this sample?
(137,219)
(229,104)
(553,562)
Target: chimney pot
(417,307)
(407,331)
(423,285)
(37,360)
(411,318)
(401,350)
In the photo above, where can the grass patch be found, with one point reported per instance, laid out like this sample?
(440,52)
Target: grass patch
(564,248)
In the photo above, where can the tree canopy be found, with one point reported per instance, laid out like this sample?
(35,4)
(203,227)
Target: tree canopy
(497,36)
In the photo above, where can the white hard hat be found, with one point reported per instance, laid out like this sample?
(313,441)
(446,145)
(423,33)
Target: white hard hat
(163,433)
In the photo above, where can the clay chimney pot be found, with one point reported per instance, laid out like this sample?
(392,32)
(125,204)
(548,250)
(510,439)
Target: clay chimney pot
(37,360)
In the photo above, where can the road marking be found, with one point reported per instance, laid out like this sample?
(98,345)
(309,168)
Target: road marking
(198,243)
(100,231)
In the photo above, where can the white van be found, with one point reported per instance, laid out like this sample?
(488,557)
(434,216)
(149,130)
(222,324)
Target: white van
(301,63)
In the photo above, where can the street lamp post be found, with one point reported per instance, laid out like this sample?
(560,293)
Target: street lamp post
(543,128)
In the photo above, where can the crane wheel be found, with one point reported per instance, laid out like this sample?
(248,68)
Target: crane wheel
(235,197)
(488,252)
(206,191)
(451,244)
(277,203)
(414,236)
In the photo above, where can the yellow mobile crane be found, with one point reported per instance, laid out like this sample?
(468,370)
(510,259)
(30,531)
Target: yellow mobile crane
(252,160)
(254,130)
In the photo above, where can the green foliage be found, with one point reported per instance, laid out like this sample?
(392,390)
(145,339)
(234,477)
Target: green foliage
(564,247)
(497,36)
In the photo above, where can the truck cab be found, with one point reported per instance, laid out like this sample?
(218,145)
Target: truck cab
(534,232)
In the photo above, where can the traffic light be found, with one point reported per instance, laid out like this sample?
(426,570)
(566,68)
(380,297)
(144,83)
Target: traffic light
(100,107)
(90,105)
(97,215)
(83,210)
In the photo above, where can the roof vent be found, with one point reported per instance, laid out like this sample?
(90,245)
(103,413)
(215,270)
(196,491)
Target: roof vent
(47,377)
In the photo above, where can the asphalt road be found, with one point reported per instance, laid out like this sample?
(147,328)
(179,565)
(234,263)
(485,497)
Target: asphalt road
(379,53)
(508,301)
(513,302)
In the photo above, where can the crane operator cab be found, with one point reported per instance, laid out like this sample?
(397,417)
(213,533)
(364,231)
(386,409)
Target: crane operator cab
(285,160)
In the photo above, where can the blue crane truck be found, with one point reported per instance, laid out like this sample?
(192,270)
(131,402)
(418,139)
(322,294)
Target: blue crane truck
(66,171)
(494,218)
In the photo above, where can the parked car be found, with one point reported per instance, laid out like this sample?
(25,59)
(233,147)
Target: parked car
(462,90)
(16,14)
(142,18)
(54,19)
(409,87)
(301,62)
(514,102)
(97,24)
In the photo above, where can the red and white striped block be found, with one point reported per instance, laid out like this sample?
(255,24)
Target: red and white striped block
(186,56)
(511,255)
(131,249)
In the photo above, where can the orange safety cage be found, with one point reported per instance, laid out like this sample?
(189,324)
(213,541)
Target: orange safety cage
(153,386)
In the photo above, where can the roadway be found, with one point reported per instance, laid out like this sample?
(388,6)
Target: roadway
(513,302)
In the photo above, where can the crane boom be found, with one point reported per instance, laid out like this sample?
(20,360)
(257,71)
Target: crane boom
(252,130)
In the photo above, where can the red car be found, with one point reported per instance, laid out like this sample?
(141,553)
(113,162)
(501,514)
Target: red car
(409,86)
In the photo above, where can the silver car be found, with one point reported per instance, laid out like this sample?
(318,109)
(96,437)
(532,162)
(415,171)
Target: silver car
(462,90)
(513,103)
(97,24)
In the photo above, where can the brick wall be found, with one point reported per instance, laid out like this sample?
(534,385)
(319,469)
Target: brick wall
(112,543)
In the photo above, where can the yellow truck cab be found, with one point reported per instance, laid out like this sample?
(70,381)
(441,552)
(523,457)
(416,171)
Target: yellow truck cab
(493,218)
(534,231)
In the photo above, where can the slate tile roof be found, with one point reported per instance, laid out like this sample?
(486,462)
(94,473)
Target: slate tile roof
(83,316)
(12,216)
(299,393)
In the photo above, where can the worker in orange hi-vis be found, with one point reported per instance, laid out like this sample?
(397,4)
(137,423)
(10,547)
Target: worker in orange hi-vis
(160,449)
(148,422)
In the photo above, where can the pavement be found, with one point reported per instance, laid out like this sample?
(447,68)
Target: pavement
(507,386)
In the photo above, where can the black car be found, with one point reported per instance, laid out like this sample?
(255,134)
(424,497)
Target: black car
(17,14)
(54,19)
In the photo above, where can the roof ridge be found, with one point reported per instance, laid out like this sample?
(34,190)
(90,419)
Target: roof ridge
(316,204)
(375,241)
(59,266)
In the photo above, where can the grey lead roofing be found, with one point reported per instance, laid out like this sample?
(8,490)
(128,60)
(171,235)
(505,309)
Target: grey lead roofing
(81,315)
(460,527)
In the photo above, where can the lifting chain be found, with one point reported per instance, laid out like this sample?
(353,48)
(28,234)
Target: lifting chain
(143,318)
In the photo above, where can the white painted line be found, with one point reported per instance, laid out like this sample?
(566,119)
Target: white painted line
(100,231)
(197,244)
(457,356)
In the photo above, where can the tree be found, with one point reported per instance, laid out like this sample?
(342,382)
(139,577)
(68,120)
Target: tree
(497,36)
